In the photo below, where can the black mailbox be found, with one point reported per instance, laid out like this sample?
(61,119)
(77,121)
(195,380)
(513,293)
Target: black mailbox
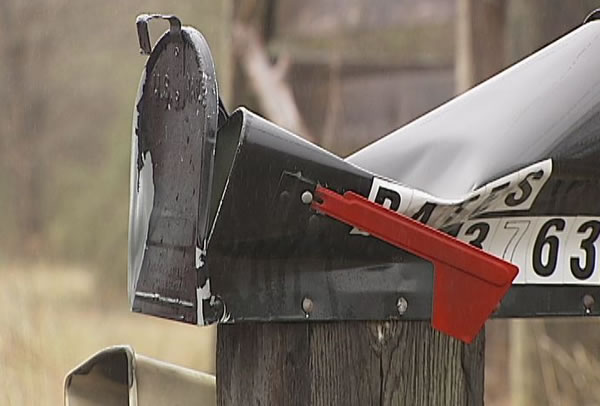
(224,228)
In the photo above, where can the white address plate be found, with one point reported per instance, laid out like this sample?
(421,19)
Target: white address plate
(547,250)
(497,218)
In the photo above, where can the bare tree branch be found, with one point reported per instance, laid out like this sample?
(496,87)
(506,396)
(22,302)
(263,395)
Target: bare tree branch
(334,103)
(268,80)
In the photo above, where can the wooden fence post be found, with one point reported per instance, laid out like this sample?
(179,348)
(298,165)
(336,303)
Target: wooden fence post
(346,363)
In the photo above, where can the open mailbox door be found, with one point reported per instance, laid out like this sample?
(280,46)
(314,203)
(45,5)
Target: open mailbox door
(227,222)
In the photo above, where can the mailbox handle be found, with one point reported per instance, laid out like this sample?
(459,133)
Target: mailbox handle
(141,23)
(468,282)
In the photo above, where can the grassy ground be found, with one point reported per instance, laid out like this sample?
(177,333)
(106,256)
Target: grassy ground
(52,318)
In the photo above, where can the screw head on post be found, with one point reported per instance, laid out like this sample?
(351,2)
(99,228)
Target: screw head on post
(588,303)
(402,305)
(307,197)
(307,306)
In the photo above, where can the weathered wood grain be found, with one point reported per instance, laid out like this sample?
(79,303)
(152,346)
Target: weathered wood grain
(346,363)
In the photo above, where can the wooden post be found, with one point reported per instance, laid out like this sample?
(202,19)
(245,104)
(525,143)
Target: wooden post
(346,363)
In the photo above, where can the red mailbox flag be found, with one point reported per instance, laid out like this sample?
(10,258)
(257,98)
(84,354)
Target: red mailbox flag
(468,282)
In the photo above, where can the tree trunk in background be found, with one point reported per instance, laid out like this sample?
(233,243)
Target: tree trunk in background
(259,83)
(225,63)
(346,363)
(480,47)
(23,113)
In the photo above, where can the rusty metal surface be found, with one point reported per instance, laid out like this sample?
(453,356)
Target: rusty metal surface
(174,142)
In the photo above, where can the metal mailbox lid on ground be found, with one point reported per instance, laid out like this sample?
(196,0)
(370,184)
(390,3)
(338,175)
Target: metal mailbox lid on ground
(219,232)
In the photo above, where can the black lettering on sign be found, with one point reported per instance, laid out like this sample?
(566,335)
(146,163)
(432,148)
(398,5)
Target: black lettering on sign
(587,244)
(482,230)
(490,198)
(387,195)
(458,210)
(424,213)
(551,241)
(525,189)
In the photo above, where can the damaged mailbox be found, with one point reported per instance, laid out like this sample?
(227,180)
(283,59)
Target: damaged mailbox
(230,220)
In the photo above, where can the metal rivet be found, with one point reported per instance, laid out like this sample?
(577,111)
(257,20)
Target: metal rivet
(307,306)
(307,197)
(402,305)
(588,303)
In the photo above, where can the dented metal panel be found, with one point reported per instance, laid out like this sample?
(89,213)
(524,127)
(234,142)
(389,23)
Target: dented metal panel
(175,123)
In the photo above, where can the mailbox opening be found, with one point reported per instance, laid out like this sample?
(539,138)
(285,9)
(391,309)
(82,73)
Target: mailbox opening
(228,139)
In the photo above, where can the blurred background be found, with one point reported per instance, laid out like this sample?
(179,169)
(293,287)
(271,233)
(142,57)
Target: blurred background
(341,73)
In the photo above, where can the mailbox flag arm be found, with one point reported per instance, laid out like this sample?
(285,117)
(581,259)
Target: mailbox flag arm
(468,282)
